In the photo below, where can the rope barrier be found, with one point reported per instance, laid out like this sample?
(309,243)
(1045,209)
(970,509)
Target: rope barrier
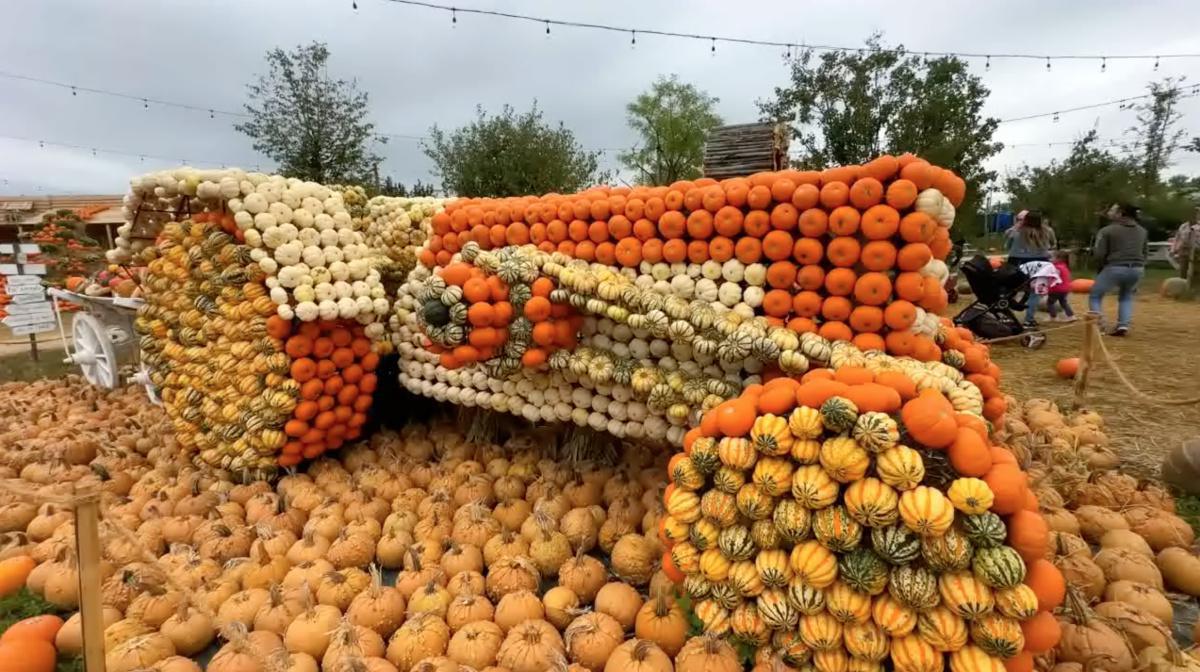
(16,487)
(1024,334)
(1111,361)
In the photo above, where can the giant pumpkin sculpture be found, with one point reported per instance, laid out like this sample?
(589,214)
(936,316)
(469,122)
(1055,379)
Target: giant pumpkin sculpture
(837,501)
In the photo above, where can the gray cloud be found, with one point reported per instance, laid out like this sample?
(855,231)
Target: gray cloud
(420,71)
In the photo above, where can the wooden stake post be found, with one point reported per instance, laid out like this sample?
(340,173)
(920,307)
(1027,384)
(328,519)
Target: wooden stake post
(91,611)
(1091,331)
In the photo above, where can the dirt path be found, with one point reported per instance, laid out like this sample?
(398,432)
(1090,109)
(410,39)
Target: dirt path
(1161,356)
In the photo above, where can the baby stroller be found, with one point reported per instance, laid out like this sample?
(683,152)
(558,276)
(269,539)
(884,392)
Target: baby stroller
(998,291)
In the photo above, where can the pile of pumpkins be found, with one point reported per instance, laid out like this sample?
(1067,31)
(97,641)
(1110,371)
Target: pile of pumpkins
(855,517)
(504,557)
(1118,541)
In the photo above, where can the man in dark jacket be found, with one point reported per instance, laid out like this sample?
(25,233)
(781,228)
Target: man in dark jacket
(1120,253)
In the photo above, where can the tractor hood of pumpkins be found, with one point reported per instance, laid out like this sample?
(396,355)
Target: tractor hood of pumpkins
(701,427)
(635,311)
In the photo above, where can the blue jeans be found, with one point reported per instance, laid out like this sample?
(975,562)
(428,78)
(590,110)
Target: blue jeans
(1125,280)
(1031,306)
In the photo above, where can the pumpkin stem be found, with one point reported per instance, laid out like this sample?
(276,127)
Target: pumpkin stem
(1077,610)
(663,603)
(642,650)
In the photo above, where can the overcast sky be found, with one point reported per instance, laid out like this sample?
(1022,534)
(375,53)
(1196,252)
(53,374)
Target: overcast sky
(420,71)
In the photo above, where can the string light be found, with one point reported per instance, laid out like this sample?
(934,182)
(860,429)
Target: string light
(547,27)
(95,151)
(1047,64)
(633,38)
(774,43)
(987,64)
(1184,92)
(1103,65)
(453,17)
(713,51)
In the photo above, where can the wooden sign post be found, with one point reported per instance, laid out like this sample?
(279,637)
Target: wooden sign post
(29,313)
(1091,331)
(91,609)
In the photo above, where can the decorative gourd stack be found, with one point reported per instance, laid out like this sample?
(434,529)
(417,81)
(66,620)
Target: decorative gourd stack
(265,308)
(634,310)
(855,517)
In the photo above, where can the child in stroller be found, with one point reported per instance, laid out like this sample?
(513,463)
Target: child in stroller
(998,291)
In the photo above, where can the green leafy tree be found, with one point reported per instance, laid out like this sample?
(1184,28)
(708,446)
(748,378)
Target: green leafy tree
(390,187)
(849,107)
(1156,137)
(314,126)
(510,154)
(673,120)
(1073,192)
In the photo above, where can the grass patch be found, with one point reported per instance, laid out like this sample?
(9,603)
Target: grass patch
(21,367)
(1188,508)
(24,604)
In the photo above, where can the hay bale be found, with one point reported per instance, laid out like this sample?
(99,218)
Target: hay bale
(1173,288)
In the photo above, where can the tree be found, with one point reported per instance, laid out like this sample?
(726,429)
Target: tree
(1073,191)
(1156,136)
(674,120)
(849,107)
(314,126)
(390,187)
(510,154)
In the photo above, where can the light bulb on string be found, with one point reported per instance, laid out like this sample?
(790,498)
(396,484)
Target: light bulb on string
(453,17)
(354,6)
(1156,63)
(1103,65)
(74,92)
(1055,117)
(632,38)
(1047,64)
(547,27)
(713,50)
(41,144)
(145,104)
(987,64)
(211,115)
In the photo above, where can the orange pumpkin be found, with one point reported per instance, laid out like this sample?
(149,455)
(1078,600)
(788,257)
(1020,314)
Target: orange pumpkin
(43,628)
(1067,367)
(1047,583)
(1008,484)
(13,572)
(1042,632)
(1029,534)
(969,454)
(27,655)
(930,419)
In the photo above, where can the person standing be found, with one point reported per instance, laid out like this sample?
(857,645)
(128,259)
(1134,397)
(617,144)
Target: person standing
(1061,290)
(1030,239)
(1185,240)
(1120,253)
